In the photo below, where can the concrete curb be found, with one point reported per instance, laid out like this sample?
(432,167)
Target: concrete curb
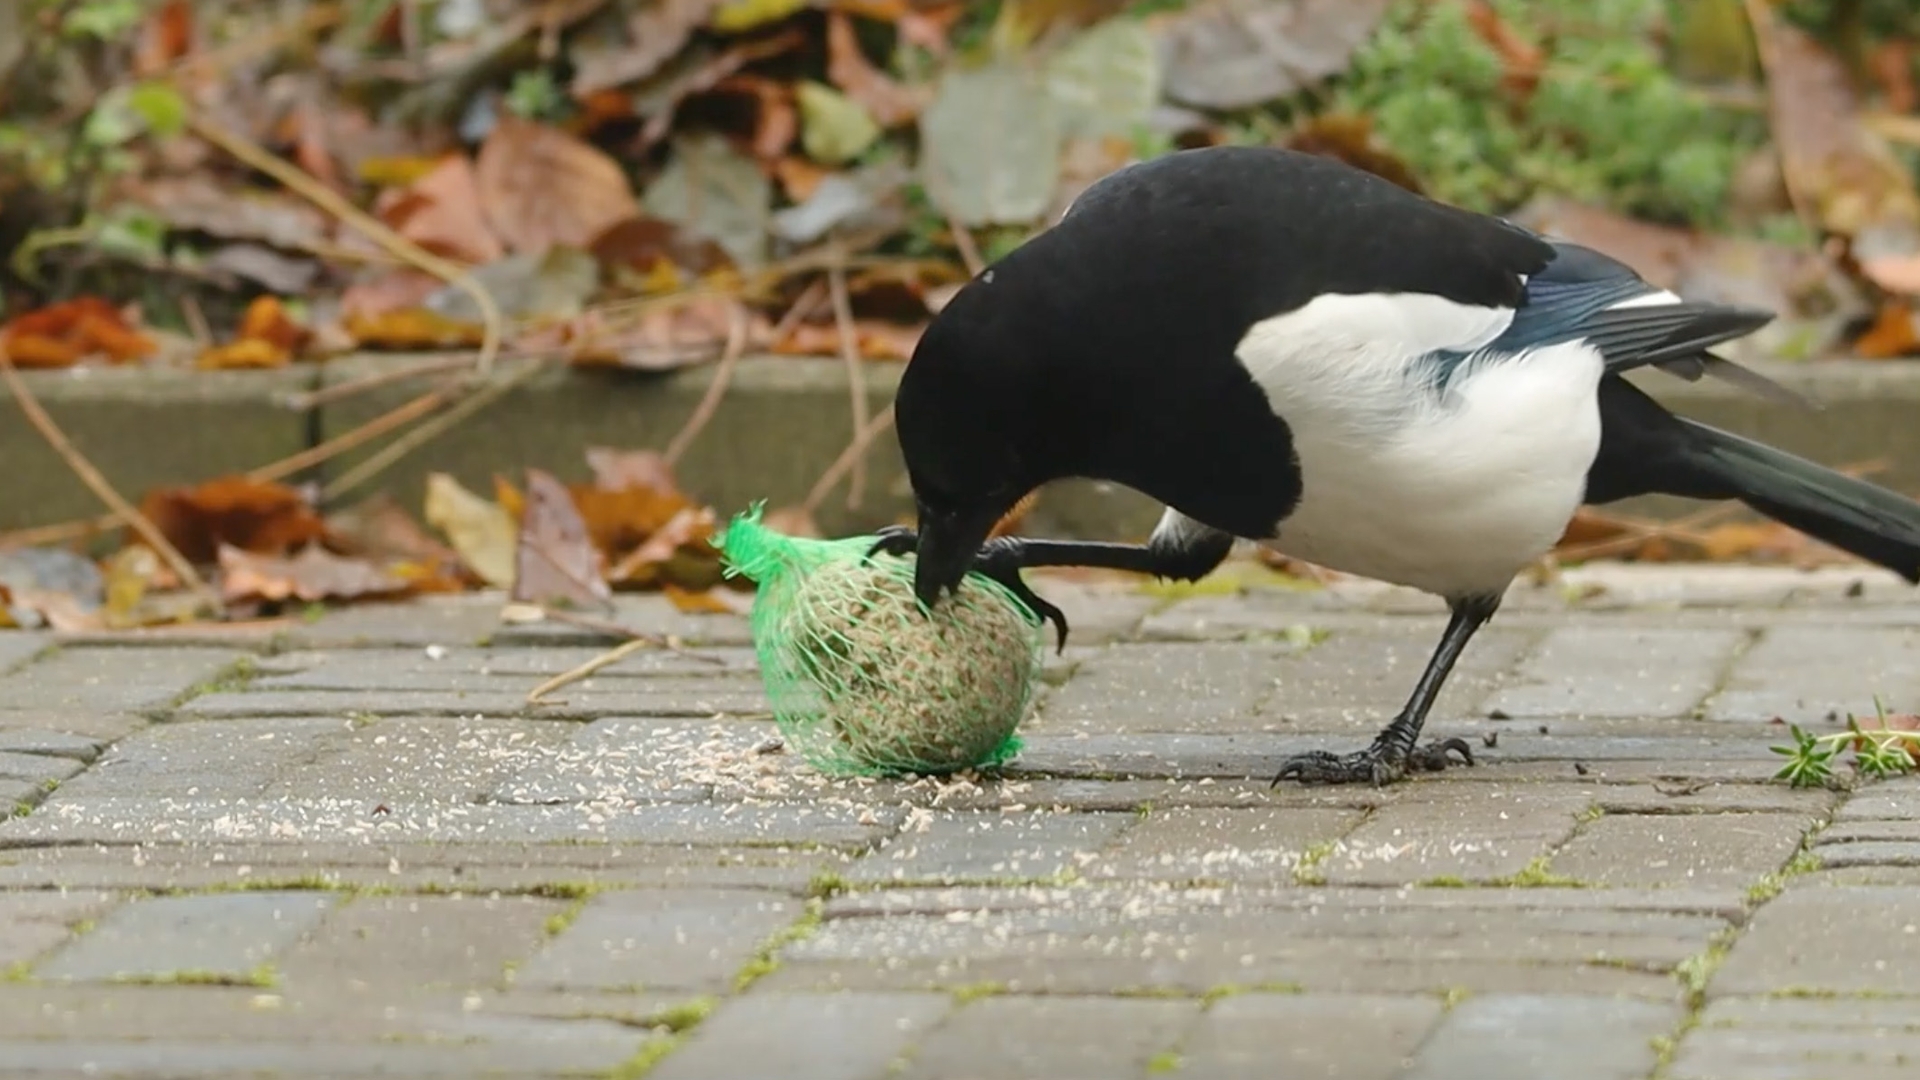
(783,421)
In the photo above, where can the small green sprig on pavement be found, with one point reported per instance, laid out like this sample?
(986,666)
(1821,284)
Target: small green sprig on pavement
(1879,751)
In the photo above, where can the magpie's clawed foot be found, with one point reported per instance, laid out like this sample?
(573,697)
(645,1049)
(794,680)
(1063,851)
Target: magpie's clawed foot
(1380,764)
(1000,559)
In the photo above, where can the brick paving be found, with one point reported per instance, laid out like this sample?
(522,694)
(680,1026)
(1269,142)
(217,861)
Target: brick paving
(347,847)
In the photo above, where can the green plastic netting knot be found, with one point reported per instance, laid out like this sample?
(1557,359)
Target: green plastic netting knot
(863,679)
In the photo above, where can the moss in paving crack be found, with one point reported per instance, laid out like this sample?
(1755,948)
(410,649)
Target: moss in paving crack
(651,1053)
(826,885)
(684,1017)
(1452,996)
(1536,875)
(1769,886)
(1593,812)
(766,959)
(17,972)
(262,976)
(1307,871)
(1445,881)
(558,922)
(970,992)
(563,890)
(1162,1063)
(1223,991)
(234,677)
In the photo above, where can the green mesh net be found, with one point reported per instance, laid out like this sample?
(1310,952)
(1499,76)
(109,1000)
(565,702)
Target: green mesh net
(863,679)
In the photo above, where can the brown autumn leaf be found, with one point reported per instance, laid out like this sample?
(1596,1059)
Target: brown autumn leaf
(441,212)
(164,38)
(662,338)
(412,328)
(377,528)
(888,101)
(690,527)
(799,177)
(252,515)
(1522,59)
(1838,168)
(775,117)
(1348,137)
(540,186)
(873,340)
(620,521)
(63,334)
(388,292)
(616,470)
(196,202)
(268,338)
(698,602)
(312,575)
(1895,332)
(1892,64)
(655,33)
(649,249)
(555,560)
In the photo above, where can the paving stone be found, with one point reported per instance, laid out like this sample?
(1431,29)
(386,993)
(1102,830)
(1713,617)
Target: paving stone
(1355,682)
(435,620)
(1853,940)
(1897,799)
(1674,849)
(1196,844)
(37,768)
(98,726)
(1236,757)
(33,923)
(112,679)
(1715,797)
(580,1047)
(416,759)
(648,613)
(987,846)
(1591,671)
(390,949)
(1461,832)
(189,760)
(1870,853)
(154,819)
(804,1037)
(657,758)
(1338,1036)
(454,867)
(19,646)
(1801,1039)
(1083,941)
(19,793)
(1502,1037)
(468,668)
(1805,674)
(60,744)
(228,935)
(691,940)
(1014,1038)
(1097,613)
(1165,688)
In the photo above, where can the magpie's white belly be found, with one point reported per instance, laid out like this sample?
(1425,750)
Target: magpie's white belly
(1453,495)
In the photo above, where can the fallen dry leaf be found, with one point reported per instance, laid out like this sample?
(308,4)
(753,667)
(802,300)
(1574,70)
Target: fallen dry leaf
(164,38)
(1892,65)
(1229,54)
(615,469)
(268,337)
(556,562)
(888,101)
(701,602)
(691,527)
(441,212)
(1837,168)
(1895,332)
(412,328)
(63,334)
(873,340)
(661,338)
(252,515)
(378,528)
(1523,60)
(194,202)
(655,33)
(1349,137)
(540,186)
(660,254)
(484,533)
(312,575)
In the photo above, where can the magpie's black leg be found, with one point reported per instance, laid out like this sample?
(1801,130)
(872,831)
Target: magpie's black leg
(1002,558)
(1393,753)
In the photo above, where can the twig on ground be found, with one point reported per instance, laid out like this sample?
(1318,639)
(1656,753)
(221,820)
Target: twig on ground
(99,485)
(611,656)
(856,450)
(372,228)
(399,416)
(717,389)
(856,378)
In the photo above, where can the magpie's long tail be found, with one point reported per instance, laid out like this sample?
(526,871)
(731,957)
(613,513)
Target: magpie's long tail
(1878,525)
(1644,450)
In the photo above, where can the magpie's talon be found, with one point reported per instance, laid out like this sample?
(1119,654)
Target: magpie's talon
(999,560)
(1377,765)
(896,540)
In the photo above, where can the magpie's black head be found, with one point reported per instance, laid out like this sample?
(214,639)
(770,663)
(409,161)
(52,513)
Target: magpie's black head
(966,414)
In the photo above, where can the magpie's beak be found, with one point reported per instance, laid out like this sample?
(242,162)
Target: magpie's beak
(949,542)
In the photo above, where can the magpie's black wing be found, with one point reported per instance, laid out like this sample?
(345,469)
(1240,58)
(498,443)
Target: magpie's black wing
(1585,295)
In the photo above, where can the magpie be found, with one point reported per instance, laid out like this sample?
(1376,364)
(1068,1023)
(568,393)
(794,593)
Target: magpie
(1287,350)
